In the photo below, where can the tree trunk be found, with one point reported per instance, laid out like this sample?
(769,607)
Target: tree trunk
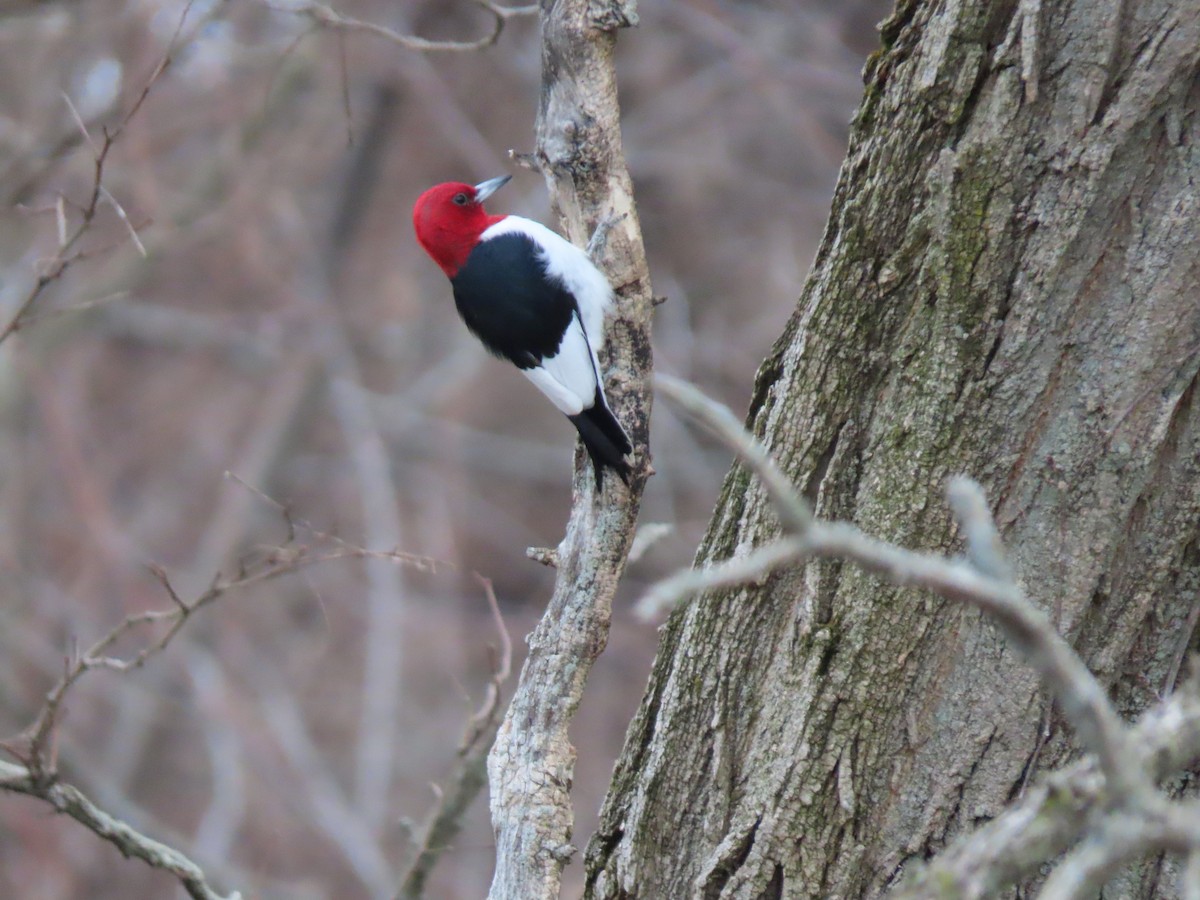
(1007,288)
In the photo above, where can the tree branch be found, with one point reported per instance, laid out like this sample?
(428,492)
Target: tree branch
(1131,816)
(531,766)
(717,419)
(70,800)
(325,16)
(1051,816)
(685,583)
(66,255)
(35,748)
(470,773)
(273,563)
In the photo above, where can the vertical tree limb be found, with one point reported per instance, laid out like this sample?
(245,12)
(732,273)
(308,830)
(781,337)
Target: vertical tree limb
(532,764)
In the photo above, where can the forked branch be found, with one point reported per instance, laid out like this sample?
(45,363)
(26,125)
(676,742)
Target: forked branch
(1132,817)
(68,253)
(36,774)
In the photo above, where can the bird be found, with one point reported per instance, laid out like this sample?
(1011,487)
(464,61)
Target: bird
(532,297)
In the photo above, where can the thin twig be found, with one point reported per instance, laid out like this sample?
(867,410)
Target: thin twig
(270,563)
(417,561)
(444,821)
(485,716)
(64,258)
(36,747)
(793,510)
(325,16)
(647,535)
(124,217)
(79,123)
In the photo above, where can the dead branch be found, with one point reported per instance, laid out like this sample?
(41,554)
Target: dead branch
(470,774)
(67,255)
(267,564)
(719,421)
(70,800)
(35,748)
(531,765)
(324,16)
(1129,816)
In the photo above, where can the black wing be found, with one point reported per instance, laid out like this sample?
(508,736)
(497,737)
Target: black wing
(503,294)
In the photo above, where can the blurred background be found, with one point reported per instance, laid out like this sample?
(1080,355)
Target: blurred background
(278,322)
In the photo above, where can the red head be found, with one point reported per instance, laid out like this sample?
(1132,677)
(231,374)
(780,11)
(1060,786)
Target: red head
(449,218)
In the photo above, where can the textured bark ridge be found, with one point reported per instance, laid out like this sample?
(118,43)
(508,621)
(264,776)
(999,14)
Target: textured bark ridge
(1007,288)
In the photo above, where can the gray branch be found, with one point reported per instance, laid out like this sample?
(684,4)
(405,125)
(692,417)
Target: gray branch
(72,801)
(1116,814)
(531,766)
(1048,820)
(322,15)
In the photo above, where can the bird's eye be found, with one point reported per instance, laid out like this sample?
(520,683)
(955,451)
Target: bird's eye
(461,200)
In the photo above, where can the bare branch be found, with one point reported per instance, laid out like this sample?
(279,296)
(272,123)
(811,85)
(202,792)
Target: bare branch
(124,217)
(531,766)
(1082,698)
(1053,814)
(348,550)
(1117,841)
(470,775)
(485,716)
(79,123)
(270,563)
(978,528)
(686,583)
(647,535)
(66,256)
(721,423)
(325,16)
(70,800)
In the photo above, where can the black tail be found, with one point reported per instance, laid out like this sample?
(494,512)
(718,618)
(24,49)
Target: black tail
(605,439)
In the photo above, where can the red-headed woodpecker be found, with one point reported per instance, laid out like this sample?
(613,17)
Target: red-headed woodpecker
(531,297)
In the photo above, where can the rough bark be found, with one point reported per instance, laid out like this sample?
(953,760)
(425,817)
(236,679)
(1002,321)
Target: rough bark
(1007,288)
(531,766)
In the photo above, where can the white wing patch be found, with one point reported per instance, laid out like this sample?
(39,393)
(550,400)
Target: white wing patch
(569,377)
(571,266)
